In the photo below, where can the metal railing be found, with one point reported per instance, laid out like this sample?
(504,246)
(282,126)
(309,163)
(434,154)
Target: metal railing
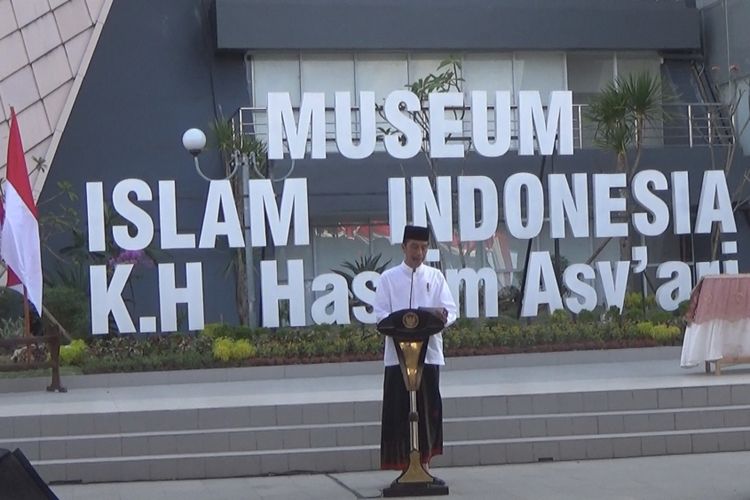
(679,124)
(52,340)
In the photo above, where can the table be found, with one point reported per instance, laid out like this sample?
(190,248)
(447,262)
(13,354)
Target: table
(718,318)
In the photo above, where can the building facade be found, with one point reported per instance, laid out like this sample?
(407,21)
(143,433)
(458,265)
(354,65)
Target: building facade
(198,63)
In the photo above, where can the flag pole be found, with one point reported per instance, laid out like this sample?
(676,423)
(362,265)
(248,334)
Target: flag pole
(26,318)
(21,246)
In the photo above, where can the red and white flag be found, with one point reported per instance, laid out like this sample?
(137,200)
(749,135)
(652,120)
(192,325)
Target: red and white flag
(12,280)
(20,247)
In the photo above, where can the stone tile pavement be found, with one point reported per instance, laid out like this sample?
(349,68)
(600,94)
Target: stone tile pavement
(715,476)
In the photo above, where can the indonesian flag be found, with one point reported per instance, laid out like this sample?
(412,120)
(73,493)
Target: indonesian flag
(12,280)
(20,247)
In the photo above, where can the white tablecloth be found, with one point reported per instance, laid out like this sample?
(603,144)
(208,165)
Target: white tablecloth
(714,340)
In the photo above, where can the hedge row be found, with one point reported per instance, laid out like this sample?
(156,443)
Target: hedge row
(220,345)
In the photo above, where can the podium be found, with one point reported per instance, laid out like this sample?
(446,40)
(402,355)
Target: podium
(410,330)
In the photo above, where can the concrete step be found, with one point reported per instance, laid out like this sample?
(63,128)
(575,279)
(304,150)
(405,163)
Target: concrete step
(331,437)
(366,457)
(241,439)
(520,405)
(331,423)
(313,436)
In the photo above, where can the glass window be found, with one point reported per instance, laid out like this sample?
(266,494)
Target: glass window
(489,72)
(421,65)
(272,73)
(633,64)
(507,255)
(743,109)
(572,250)
(589,75)
(284,254)
(275,73)
(327,73)
(381,73)
(611,250)
(337,245)
(664,247)
(544,72)
(381,244)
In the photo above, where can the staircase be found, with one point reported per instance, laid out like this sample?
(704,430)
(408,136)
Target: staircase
(484,424)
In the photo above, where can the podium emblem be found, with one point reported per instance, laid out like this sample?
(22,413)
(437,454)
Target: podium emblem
(410,320)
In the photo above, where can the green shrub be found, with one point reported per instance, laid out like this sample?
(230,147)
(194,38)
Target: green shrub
(636,308)
(216,330)
(168,361)
(661,333)
(11,327)
(227,345)
(665,334)
(644,329)
(222,349)
(587,316)
(242,349)
(225,349)
(11,303)
(70,306)
(74,353)
(155,352)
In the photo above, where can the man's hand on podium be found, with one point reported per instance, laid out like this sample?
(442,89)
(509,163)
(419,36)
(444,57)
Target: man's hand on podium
(443,314)
(440,312)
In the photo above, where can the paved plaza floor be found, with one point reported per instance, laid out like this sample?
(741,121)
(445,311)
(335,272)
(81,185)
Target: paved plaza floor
(714,476)
(625,369)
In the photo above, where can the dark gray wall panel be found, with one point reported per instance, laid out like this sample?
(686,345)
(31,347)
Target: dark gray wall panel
(153,75)
(156,72)
(335,186)
(457,25)
(727,40)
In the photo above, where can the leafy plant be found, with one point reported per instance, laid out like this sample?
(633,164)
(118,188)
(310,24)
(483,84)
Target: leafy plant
(73,353)
(242,349)
(235,148)
(222,349)
(71,306)
(68,268)
(11,303)
(225,349)
(11,327)
(622,112)
(352,269)
(217,330)
(362,264)
(242,346)
(447,77)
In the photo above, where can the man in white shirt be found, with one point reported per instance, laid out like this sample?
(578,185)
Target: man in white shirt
(412,285)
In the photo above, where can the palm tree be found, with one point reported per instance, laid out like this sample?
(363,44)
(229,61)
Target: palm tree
(622,112)
(362,264)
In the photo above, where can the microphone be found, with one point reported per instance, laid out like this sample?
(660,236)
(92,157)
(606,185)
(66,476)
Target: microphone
(411,287)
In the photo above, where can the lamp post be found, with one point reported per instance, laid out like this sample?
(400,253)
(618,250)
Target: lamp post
(194,141)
